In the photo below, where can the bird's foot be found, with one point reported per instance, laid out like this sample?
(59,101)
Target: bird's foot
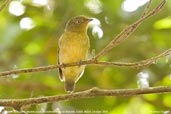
(63,65)
(80,63)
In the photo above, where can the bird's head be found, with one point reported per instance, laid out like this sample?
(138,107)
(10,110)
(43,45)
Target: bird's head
(78,24)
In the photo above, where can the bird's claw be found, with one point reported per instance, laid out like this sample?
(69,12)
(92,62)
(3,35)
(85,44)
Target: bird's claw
(63,65)
(80,63)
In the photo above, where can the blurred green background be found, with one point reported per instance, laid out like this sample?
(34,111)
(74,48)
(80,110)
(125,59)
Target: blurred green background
(29,33)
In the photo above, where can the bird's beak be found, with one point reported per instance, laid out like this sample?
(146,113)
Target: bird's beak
(88,20)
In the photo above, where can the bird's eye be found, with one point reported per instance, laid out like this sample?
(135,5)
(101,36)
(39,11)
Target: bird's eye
(78,21)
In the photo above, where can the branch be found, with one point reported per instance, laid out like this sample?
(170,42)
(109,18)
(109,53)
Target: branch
(4,4)
(146,8)
(18,103)
(139,64)
(92,61)
(119,38)
(130,29)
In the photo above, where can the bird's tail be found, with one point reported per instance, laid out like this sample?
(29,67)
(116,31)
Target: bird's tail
(69,85)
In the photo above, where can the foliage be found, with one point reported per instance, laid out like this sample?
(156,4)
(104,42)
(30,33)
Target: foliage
(20,48)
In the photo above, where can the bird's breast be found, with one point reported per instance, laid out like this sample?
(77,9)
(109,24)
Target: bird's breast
(73,47)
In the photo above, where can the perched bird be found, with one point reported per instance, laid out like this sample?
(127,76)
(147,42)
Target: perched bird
(73,47)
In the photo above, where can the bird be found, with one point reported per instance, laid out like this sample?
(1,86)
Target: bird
(73,46)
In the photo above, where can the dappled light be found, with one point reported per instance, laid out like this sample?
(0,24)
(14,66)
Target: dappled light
(129,64)
(163,23)
(94,6)
(132,5)
(14,75)
(95,22)
(168,59)
(16,8)
(40,2)
(97,31)
(143,81)
(1,110)
(26,23)
(32,48)
(96,28)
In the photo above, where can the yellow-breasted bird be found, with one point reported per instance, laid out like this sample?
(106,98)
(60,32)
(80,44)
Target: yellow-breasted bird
(73,47)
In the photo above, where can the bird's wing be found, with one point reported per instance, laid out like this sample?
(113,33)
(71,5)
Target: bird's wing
(59,69)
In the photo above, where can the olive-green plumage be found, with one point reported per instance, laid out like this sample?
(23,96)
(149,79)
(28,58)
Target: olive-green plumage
(73,47)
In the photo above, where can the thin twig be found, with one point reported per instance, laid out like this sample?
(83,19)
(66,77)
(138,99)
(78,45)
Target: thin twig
(129,30)
(139,64)
(94,92)
(123,35)
(19,103)
(4,4)
(146,8)
(121,64)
